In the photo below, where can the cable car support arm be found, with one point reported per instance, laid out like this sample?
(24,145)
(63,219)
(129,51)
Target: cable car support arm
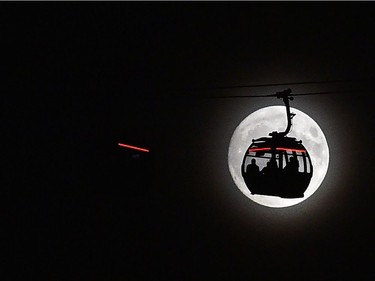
(285,95)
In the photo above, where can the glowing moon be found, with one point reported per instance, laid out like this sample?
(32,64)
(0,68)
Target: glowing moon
(273,118)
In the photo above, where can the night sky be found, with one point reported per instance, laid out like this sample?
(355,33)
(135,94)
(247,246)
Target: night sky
(80,77)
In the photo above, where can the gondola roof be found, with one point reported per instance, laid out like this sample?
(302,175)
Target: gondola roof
(273,142)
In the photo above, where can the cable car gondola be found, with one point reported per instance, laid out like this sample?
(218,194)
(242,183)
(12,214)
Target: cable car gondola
(278,165)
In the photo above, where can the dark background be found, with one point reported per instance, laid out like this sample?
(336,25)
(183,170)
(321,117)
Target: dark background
(80,77)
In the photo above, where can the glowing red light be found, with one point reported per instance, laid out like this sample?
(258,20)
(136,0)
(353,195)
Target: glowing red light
(290,149)
(134,147)
(277,148)
(259,149)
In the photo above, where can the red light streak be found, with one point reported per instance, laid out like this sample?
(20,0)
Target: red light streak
(277,148)
(290,149)
(134,147)
(259,149)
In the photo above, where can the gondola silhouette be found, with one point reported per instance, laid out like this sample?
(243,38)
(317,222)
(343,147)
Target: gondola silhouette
(287,167)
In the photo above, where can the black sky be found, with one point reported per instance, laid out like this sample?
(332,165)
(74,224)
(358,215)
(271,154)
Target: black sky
(81,77)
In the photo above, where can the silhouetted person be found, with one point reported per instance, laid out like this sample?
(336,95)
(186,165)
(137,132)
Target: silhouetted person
(294,181)
(292,166)
(251,175)
(271,167)
(252,168)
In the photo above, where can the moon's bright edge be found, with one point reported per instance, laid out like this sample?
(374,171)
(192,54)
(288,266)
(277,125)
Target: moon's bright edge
(273,118)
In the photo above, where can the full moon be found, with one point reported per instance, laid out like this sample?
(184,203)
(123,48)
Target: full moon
(273,118)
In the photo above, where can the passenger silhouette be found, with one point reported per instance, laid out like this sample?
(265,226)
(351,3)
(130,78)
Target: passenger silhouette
(293,179)
(270,168)
(251,175)
(252,168)
(292,166)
